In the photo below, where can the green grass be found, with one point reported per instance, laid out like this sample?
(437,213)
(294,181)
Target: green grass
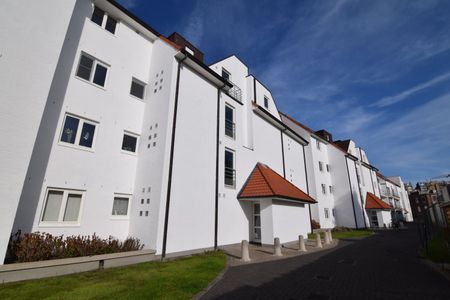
(437,249)
(176,279)
(345,234)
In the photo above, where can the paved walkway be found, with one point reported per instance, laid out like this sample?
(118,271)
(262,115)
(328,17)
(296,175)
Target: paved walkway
(383,266)
(265,253)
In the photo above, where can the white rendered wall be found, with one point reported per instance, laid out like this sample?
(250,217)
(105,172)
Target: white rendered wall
(25,84)
(290,220)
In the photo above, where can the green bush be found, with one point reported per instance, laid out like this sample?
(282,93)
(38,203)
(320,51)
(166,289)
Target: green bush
(43,246)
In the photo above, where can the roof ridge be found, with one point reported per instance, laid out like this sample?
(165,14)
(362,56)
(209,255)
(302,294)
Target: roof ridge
(258,165)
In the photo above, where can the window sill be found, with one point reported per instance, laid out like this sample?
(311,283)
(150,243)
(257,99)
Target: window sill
(120,218)
(231,138)
(73,146)
(58,224)
(103,29)
(137,98)
(129,152)
(90,83)
(231,187)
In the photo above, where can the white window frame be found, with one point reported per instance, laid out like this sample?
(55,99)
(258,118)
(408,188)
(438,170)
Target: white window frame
(62,209)
(106,15)
(129,133)
(94,67)
(326,212)
(324,188)
(318,144)
(227,72)
(234,168)
(266,98)
(134,79)
(330,187)
(320,166)
(234,121)
(328,168)
(121,217)
(76,143)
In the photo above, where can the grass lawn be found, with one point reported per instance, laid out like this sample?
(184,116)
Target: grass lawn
(345,234)
(437,249)
(177,279)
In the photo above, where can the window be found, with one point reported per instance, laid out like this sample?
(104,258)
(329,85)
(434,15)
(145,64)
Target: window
(62,206)
(318,144)
(78,131)
(92,70)
(226,75)
(327,213)
(328,168)
(120,206)
(103,20)
(324,189)
(129,142)
(137,88)
(331,189)
(230,172)
(266,102)
(229,121)
(320,166)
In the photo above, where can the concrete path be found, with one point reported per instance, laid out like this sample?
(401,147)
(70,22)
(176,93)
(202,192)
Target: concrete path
(260,254)
(383,266)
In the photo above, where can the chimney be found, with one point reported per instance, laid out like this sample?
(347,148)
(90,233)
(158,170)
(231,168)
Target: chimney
(186,45)
(325,135)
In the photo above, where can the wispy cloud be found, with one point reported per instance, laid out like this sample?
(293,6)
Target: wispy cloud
(130,3)
(390,100)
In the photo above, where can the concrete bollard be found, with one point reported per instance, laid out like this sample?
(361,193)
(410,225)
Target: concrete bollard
(327,238)
(330,235)
(277,247)
(301,244)
(318,240)
(245,256)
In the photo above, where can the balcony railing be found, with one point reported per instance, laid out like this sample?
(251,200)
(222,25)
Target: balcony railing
(229,128)
(230,177)
(235,92)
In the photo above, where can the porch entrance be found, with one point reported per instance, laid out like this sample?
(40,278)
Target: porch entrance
(373,218)
(256,223)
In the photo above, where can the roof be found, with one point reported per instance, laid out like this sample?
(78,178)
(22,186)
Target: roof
(264,182)
(373,202)
(343,144)
(387,179)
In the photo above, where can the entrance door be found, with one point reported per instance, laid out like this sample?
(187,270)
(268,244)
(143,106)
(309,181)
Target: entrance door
(373,218)
(256,223)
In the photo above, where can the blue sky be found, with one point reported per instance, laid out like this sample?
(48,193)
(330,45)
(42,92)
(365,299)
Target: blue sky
(374,71)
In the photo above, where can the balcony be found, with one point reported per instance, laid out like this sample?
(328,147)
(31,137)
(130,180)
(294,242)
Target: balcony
(235,92)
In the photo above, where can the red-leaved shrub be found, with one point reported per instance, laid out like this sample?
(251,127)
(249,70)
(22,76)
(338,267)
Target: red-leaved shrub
(43,246)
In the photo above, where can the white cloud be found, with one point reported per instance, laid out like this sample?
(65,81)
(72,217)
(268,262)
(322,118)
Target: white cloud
(390,100)
(129,3)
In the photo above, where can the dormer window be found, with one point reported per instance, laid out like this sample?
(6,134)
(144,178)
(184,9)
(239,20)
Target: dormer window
(266,102)
(189,50)
(226,75)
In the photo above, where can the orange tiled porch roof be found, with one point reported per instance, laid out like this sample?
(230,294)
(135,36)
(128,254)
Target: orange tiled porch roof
(264,182)
(373,202)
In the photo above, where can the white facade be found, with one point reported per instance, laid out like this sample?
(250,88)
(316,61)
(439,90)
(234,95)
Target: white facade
(166,165)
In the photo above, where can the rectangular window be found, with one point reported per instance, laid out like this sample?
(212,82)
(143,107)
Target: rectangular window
(331,189)
(229,121)
(230,172)
(129,142)
(320,166)
(318,144)
(266,102)
(62,206)
(324,189)
(103,20)
(137,88)
(226,75)
(327,213)
(120,206)
(92,70)
(77,131)
(328,168)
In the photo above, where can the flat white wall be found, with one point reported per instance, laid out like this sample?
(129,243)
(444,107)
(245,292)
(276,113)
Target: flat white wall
(25,84)
(192,204)
(291,220)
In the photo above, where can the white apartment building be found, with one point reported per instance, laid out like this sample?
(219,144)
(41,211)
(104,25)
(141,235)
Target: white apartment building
(129,133)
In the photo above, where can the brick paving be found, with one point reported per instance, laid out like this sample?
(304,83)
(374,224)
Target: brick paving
(383,266)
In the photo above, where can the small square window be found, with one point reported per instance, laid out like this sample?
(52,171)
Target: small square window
(137,88)
(120,206)
(331,189)
(149,189)
(146,213)
(111,24)
(154,144)
(129,143)
(97,16)
(324,189)
(86,65)
(140,213)
(142,201)
(148,200)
